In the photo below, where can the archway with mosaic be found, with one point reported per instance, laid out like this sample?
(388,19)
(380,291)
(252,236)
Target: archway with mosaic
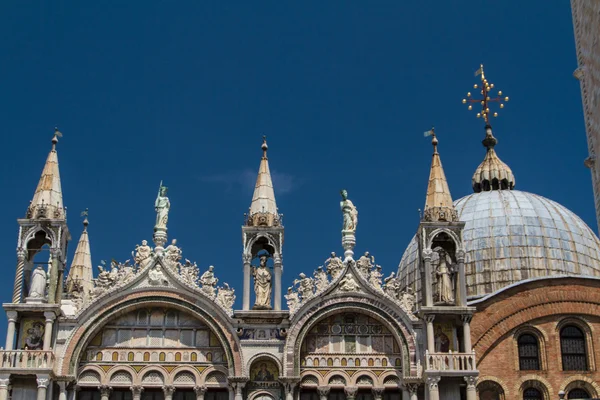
(154,352)
(350,355)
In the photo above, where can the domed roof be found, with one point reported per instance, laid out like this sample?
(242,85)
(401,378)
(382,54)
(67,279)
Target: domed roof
(510,236)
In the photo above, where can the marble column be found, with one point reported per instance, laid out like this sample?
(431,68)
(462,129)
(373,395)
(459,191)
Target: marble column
(50,316)
(62,390)
(428,287)
(18,288)
(350,392)
(277,269)
(105,392)
(323,392)
(168,391)
(430,334)
(377,393)
(466,320)
(247,258)
(42,385)
(405,394)
(412,389)
(136,392)
(200,391)
(10,331)
(432,386)
(289,384)
(462,279)
(471,387)
(4,382)
(238,391)
(54,276)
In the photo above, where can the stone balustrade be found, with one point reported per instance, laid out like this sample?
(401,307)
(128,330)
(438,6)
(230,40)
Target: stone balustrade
(27,359)
(351,360)
(450,362)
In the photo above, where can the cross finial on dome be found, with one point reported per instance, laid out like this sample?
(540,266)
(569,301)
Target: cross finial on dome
(486,97)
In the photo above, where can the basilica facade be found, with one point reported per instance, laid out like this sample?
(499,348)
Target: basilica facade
(495,298)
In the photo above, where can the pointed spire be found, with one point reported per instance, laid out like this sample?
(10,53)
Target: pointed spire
(47,200)
(438,204)
(492,173)
(80,273)
(263,210)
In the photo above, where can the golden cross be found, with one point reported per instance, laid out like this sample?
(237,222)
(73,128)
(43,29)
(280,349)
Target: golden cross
(486,99)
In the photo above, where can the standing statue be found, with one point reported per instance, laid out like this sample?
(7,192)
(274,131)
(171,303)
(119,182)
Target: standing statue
(173,254)
(262,284)
(375,278)
(162,206)
(293,301)
(321,281)
(209,281)
(126,272)
(334,266)
(305,286)
(391,286)
(408,299)
(444,272)
(38,283)
(349,212)
(189,273)
(365,263)
(143,254)
(226,296)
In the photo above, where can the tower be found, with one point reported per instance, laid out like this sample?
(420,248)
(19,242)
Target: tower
(262,236)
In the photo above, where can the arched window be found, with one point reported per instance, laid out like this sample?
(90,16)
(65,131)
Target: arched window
(529,354)
(532,394)
(578,394)
(572,347)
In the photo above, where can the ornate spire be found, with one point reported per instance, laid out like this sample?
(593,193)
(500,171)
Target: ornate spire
(80,273)
(438,204)
(492,173)
(263,210)
(47,200)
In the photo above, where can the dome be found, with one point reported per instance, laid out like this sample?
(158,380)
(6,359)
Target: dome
(511,236)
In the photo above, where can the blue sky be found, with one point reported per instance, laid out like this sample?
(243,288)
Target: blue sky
(183,92)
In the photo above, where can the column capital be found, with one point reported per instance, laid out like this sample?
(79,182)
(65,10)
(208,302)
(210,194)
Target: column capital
(168,390)
(289,383)
(323,390)
(12,316)
(432,382)
(377,392)
(136,390)
(460,256)
(466,318)
(350,391)
(200,390)
(246,258)
(21,254)
(42,381)
(426,254)
(429,318)
(471,381)
(50,316)
(411,387)
(277,259)
(4,380)
(62,385)
(105,390)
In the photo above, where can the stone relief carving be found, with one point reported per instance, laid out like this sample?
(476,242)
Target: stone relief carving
(226,297)
(189,273)
(293,301)
(320,279)
(306,287)
(334,266)
(348,284)
(156,276)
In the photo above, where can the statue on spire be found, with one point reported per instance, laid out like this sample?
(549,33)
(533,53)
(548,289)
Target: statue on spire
(349,212)
(162,206)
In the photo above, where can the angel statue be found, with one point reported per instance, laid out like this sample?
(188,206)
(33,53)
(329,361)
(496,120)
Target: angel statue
(349,212)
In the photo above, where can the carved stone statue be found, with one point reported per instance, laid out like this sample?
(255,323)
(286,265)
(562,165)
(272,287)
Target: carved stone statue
(444,273)
(262,284)
(173,254)
(321,281)
(189,273)
(209,282)
(391,286)
(143,255)
(408,299)
(365,263)
(375,277)
(126,272)
(334,266)
(226,297)
(156,276)
(38,283)
(162,206)
(104,280)
(305,286)
(349,212)
(348,284)
(293,301)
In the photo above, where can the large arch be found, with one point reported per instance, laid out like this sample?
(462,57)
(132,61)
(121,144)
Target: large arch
(97,316)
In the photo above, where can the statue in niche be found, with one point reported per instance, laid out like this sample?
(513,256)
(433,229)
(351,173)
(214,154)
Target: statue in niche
(334,266)
(189,273)
(35,337)
(38,283)
(320,279)
(162,206)
(262,284)
(156,276)
(226,296)
(375,277)
(209,282)
(306,286)
(349,212)
(348,284)
(365,263)
(143,254)
(173,254)
(444,273)
(293,301)
(442,342)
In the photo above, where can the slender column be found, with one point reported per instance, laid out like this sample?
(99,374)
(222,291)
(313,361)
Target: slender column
(238,391)
(42,383)
(430,335)
(471,388)
(323,392)
(62,390)
(18,288)
(412,389)
(405,393)
(466,320)
(200,391)
(105,392)
(237,383)
(432,385)
(350,392)
(168,391)
(4,382)
(246,300)
(277,269)
(50,316)
(136,392)
(462,279)
(427,288)
(10,331)
(377,393)
(289,383)
(231,393)
(54,276)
